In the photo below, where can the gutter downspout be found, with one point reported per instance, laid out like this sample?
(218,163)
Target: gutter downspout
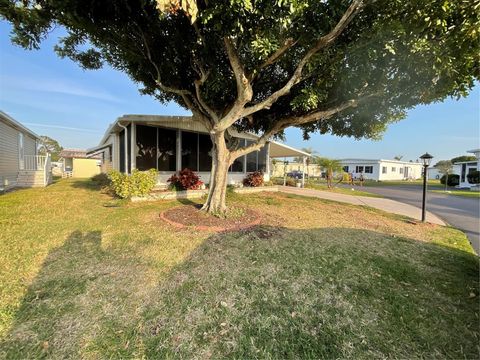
(125,146)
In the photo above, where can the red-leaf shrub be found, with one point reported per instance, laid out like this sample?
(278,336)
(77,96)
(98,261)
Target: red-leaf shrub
(254,179)
(185,180)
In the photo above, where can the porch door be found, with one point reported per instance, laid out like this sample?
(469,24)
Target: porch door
(21,152)
(405,172)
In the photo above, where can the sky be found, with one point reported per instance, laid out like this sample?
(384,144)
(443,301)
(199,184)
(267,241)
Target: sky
(55,97)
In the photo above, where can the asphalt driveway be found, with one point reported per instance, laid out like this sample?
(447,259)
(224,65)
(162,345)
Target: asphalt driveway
(460,212)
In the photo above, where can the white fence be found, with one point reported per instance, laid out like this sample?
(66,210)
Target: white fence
(35,162)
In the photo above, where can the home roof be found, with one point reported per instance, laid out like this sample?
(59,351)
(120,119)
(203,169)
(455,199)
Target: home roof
(353,160)
(277,149)
(77,153)
(15,124)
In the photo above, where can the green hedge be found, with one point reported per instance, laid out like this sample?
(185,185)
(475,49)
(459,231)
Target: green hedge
(139,183)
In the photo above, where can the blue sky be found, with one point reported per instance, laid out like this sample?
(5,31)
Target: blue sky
(55,97)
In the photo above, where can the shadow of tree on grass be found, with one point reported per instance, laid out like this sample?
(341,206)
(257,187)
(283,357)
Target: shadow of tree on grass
(265,292)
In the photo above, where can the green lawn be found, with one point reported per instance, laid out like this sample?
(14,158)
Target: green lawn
(85,276)
(354,190)
(464,193)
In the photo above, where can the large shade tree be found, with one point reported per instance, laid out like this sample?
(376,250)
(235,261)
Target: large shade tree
(348,68)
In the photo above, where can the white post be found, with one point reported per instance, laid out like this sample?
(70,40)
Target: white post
(284,171)
(303,171)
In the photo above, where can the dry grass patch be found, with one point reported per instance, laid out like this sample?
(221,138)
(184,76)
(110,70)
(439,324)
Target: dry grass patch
(85,276)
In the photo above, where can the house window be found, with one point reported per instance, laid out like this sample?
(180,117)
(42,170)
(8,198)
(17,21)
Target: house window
(257,160)
(190,150)
(146,157)
(251,159)
(368,169)
(345,169)
(238,165)
(394,169)
(166,149)
(401,170)
(262,159)
(204,152)
(359,169)
(21,152)
(384,169)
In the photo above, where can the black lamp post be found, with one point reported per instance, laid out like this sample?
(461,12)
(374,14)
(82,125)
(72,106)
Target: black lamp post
(426,158)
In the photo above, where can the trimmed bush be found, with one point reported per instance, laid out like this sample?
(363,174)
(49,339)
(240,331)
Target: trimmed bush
(474,177)
(139,183)
(254,179)
(185,180)
(453,179)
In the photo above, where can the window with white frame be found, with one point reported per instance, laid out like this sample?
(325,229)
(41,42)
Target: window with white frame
(368,169)
(384,169)
(394,169)
(21,152)
(401,170)
(359,169)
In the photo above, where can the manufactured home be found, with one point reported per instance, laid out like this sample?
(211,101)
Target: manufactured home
(382,170)
(75,163)
(466,167)
(172,143)
(20,164)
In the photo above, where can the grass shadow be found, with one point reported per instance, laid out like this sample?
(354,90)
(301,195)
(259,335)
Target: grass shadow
(265,292)
(80,290)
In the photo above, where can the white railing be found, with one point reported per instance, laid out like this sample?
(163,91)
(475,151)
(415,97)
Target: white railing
(34,162)
(39,163)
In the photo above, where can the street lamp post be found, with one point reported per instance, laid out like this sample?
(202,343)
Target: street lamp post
(426,158)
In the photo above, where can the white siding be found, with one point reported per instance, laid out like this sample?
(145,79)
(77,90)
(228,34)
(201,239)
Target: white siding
(8,154)
(414,169)
(9,157)
(30,145)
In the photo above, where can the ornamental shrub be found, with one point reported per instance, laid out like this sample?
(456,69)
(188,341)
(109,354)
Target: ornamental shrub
(185,180)
(254,179)
(139,183)
(453,179)
(474,177)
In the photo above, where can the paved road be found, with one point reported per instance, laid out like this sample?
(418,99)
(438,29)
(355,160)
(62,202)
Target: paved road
(460,212)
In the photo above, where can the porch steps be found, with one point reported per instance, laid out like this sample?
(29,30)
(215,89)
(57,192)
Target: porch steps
(30,178)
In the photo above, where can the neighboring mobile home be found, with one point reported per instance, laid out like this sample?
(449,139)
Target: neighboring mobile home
(466,167)
(382,170)
(172,143)
(20,165)
(76,163)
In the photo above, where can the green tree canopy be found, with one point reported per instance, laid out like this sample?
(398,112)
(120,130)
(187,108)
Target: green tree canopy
(348,68)
(51,146)
(463,158)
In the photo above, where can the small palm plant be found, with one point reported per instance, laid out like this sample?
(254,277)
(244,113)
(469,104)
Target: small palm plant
(330,166)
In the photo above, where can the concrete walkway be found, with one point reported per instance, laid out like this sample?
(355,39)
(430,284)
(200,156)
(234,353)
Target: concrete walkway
(387,205)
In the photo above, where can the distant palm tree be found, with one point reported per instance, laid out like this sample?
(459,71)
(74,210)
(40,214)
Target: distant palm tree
(309,160)
(331,166)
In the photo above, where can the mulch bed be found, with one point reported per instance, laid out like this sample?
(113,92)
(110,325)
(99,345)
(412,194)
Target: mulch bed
(191,216)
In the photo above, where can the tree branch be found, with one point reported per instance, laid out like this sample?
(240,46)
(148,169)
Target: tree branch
(275,56)
(295,121)
(157,79)
(244,88)
(322,43)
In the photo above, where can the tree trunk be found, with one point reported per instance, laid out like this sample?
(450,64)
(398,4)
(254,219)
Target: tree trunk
(221,161)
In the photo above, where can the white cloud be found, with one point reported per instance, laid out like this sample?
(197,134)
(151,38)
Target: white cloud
(64,127)
(55,85)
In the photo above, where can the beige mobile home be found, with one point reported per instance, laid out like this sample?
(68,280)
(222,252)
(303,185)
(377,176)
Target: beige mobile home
(20,165)
(172,143)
